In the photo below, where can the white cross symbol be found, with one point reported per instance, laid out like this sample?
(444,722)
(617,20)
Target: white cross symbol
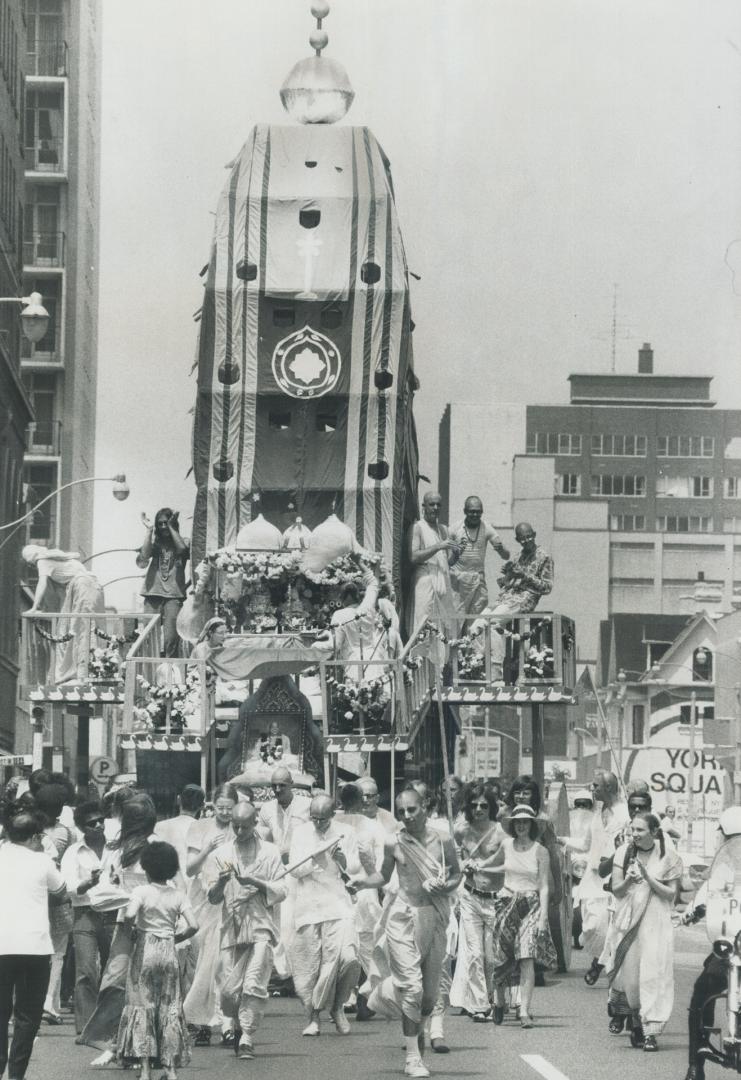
(309,248)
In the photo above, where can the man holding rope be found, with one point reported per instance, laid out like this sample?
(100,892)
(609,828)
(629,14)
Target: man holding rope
(416,922)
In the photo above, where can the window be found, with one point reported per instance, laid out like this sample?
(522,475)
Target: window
(732,525)
(546,442)
(610,484)
(569,484)
(639,724)
(41,480)
(685,446)
(619,445)
(681,523)
(732,487)
(702,665)
(284,316)
(702,487)
(627,522)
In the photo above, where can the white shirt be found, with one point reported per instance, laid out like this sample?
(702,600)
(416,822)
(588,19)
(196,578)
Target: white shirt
(607,822)
(28,877)
(277,825)
(175,831)
(321,895)
(78,862)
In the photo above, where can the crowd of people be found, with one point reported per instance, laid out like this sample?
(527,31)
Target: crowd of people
(170,933)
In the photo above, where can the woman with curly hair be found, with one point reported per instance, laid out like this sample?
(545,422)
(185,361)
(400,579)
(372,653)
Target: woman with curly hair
(478,839)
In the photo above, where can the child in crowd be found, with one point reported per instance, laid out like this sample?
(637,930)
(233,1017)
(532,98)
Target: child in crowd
(153,1024)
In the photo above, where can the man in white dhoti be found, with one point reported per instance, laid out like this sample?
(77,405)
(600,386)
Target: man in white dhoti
(416,922)
(473,535)
(372,836)
(248,891)
(324,953)
(431,552)
(276,822)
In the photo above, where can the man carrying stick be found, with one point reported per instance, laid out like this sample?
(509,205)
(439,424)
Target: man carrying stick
(416,922)
(248,889)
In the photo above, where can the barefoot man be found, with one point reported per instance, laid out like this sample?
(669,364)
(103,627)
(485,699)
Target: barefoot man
(416,922)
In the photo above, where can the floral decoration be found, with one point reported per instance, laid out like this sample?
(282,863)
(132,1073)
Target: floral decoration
(105,663)
(363,701)
(182,698)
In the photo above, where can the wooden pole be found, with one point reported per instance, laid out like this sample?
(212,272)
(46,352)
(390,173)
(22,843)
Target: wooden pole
(444,744)
(538,749)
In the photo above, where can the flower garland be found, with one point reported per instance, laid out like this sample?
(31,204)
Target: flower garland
(105,663)
(181,697)
(365,700)
(117,640)
(62,639)
(271,751)
(538,663)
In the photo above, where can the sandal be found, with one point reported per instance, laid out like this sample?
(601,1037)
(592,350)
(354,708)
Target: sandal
(637,1038)
(591,976)
(616,1025)
(526,1021)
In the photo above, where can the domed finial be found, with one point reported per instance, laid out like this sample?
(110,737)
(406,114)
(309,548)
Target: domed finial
(317,90)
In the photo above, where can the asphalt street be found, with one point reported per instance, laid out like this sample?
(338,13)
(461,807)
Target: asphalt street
(570,1040)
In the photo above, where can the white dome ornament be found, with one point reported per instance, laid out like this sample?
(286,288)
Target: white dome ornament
(297,537)
(317,90)
(259,535)
(329,541)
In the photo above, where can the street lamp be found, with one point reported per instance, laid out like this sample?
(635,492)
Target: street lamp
(120,492)
(34,317)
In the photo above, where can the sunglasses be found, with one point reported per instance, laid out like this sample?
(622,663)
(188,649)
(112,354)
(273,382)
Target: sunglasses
(91,822)
(479,806)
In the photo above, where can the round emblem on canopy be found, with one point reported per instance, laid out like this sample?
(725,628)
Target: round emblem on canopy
(306,364)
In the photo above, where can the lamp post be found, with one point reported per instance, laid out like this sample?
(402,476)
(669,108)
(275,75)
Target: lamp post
(34,317)
(120,492)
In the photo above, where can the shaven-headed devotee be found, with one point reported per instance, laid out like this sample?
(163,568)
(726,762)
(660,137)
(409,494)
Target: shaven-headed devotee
(276,822)
(416,922)
(431,553)
(247,890)
(324,953)
(372,836)
(473,536)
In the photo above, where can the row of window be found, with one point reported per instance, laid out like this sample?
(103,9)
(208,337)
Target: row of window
(8,183)
(566,445)
(676,487)
(672,523)
(9,51)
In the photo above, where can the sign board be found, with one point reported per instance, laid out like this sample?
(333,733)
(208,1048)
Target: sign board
(16,759)
(487,755)
(102,769)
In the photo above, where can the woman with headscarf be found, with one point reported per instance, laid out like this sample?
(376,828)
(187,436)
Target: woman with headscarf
(83,595)
(121,874)
(210,640)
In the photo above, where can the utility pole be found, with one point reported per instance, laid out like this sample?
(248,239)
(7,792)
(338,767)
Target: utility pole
(737,740)
(691,770)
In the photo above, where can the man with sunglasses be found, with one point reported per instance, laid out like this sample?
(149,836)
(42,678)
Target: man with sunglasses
(92,930)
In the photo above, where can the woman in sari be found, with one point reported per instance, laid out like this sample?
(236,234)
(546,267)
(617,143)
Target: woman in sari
(202,1002)
(645,878)
(122,871)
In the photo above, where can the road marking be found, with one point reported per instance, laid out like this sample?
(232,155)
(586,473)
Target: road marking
(550,1072)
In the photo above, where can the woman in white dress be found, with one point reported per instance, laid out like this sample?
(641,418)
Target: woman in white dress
(83,595)
(645,877)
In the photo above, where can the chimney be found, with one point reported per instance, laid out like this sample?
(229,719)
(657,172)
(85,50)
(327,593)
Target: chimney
(645,360)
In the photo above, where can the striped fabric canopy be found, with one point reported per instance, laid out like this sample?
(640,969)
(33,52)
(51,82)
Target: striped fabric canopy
(305,375)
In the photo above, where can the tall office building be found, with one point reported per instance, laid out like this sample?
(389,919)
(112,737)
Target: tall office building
(60,260)
(634,486)
(15,409)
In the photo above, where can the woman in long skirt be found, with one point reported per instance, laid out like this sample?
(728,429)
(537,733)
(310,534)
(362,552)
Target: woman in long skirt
(645,878)
(521,935)
(152,1024)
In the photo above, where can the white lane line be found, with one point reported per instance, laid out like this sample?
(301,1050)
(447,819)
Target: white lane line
(550,1072)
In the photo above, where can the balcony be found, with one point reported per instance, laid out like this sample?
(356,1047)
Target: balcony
(44,438)
(45,156)
(44,249)
(46,59)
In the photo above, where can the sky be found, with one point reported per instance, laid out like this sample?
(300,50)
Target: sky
(542,154)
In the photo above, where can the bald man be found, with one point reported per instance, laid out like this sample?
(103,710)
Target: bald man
(431,553)
(474,536)
(416,922)
(324,953)
(276,821)
(247,888)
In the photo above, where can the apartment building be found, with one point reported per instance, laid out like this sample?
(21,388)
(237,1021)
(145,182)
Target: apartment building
(60,261)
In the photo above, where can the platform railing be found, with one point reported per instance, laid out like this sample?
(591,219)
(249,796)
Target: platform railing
(64,648)
(534,649)
(167,695)
(365,698)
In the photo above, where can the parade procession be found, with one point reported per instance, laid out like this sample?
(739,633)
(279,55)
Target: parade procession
(372,774)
